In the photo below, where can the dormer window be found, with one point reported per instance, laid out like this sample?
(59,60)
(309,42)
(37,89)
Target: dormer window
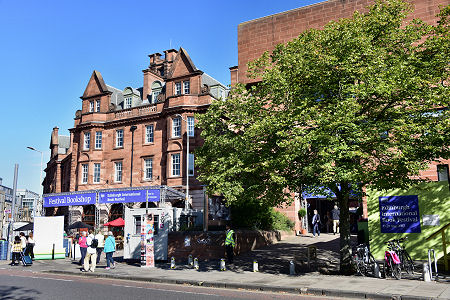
(156,90)
(91,106)
(97,105)
(127,102)
(186,87)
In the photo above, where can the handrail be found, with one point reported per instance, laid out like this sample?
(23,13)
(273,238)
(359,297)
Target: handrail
(437,232)
(444,243)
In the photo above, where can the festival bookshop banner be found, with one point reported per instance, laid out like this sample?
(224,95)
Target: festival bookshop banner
(399,214)
(70,199)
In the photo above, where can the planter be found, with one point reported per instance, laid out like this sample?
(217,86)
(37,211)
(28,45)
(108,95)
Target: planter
(303,231)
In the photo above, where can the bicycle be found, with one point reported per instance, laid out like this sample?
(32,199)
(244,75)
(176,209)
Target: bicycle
(406,261)
(363,260)
(392,263)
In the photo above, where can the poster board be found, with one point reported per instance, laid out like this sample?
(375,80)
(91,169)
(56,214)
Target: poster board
(49,231)
(147,241)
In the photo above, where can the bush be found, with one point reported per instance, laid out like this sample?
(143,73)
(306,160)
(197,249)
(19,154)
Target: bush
(253,215)
(301,213)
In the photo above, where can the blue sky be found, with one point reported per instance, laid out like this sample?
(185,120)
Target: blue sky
(50,48)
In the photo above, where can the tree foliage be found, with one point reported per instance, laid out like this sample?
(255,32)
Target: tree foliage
(361,101)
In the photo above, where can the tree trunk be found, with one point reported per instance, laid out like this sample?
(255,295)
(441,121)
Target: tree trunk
(344,229)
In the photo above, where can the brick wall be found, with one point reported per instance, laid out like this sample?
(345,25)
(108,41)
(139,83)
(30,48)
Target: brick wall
(211,245)
(257,36)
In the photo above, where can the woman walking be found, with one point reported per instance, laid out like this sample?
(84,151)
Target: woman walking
(110,247)
(83,246)
(30,246)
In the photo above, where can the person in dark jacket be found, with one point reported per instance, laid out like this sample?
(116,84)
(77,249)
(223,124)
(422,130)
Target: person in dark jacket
(316,223)
(335,213)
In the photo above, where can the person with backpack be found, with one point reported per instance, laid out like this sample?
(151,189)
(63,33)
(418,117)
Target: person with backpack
(16,249)
(316,223)
(91,253)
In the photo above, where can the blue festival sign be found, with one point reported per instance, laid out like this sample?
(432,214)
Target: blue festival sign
(399,214)
(129,196)
(70,199)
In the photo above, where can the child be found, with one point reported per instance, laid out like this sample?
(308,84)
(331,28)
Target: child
(16,249)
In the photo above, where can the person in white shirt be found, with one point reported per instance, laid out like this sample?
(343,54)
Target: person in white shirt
(23,241)
(91,254)
(101,244)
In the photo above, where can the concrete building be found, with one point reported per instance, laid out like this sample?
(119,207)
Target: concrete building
(263,34)
(133,137)
(26,200)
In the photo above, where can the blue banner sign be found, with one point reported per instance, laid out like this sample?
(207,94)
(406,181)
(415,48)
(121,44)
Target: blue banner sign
(129,196)
(70,199)
(399,214)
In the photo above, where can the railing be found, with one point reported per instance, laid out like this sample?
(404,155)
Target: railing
(444,242)
(135,111)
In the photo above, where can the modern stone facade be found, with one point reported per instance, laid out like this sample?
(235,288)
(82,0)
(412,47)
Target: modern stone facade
(134,136)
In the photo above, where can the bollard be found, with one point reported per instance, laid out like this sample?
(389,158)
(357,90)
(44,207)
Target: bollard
(172,263)
(222,265)
(255,266)
(190,260)
(426,273)
(196,263)
(376,270)
(291,268)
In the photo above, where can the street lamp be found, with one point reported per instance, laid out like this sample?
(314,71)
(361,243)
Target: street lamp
(186,202)
(35,204)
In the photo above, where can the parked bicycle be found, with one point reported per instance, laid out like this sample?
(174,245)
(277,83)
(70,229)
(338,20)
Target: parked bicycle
(363,260)
(392,262)
(406,261)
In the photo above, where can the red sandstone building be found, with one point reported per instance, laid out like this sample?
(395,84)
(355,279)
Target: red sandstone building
(263,34)
(133,137)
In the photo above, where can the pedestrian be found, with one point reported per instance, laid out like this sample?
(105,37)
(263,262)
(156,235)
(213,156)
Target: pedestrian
(16,249)
(30,246)
(109,249)
(101,243)
(83,246)
(335,214)
(91,253)
(229,243)
(23,241)
(316,223)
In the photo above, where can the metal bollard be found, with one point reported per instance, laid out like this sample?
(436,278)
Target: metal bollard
(291,268)
(190,260)
(172,263)
(255,266)
(196,263)
(426,273)
(222,265)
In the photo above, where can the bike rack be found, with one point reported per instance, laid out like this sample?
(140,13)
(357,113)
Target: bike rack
(431,253)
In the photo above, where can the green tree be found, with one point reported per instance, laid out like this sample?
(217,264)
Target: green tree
(356,103)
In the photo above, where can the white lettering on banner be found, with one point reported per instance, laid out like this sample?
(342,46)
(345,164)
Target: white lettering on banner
(69,200)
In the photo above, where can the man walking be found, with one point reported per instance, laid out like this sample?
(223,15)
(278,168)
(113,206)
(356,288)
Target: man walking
(335,213)
(316,223)
(101,244)
(91,253)
(229,243)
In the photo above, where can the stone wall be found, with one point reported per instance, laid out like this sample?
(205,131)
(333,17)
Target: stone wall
(210,245)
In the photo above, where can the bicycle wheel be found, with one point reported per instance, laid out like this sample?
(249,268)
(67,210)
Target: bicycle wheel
(396,271)
(407,262)
(360,266)
(391,269)
(371,264)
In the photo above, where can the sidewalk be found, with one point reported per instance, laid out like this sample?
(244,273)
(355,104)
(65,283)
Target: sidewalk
(270,278)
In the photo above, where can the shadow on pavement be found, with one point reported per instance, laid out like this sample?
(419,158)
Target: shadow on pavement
(17,292)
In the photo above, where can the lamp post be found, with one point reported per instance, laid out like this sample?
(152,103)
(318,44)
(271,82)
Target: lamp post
(186,202)
(35,204)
